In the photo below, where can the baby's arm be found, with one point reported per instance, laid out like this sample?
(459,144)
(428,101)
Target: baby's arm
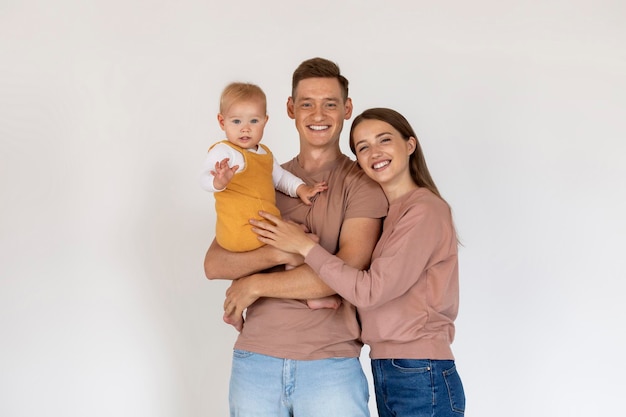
(289,184)
(223,174)
(216,163)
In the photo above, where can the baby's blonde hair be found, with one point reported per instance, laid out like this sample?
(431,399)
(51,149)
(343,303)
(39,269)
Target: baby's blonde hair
(238,91)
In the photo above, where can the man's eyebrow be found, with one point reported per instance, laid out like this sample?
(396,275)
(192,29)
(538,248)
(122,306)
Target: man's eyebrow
(323,98)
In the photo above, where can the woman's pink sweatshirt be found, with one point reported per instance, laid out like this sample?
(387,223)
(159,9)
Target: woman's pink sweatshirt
(409,298)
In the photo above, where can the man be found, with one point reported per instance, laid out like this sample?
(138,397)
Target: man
(290,360)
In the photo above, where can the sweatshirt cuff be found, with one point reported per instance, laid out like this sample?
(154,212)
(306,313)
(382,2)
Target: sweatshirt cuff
(317,257)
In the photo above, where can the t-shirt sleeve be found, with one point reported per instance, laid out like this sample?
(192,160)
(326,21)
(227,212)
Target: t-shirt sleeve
(365,199)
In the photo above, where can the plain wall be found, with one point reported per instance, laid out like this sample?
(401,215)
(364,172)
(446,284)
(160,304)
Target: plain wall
(107,109)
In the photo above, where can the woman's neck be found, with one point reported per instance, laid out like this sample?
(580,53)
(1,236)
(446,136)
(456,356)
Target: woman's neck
(395,191)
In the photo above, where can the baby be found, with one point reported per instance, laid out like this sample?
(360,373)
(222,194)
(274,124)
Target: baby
(243,174)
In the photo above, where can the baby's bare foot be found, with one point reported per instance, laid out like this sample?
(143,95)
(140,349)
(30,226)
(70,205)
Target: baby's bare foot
(332,301)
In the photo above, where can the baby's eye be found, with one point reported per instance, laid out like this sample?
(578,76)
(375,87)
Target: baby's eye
(236,121)
(253,121)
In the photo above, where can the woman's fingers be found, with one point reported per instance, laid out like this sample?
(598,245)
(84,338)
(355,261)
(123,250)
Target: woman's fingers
(269,217)
(260,225)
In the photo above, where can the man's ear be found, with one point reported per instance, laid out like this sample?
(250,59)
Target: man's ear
(348,108)
(290,108)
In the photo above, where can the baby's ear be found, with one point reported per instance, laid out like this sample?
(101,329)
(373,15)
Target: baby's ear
(220,120)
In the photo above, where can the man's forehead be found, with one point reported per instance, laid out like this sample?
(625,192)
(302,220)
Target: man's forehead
(318,88)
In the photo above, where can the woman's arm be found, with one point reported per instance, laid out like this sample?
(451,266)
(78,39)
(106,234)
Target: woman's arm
(421,238)
(356,243)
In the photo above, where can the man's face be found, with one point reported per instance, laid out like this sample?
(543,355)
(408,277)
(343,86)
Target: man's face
(319,110)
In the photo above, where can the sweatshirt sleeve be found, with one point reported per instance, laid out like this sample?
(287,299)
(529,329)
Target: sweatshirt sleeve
(414,244)
(285,181)
(216,154)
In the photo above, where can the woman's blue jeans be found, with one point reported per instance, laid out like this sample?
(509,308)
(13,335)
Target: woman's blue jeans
(417,388)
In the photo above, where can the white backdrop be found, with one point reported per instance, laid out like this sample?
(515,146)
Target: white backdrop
(106,111)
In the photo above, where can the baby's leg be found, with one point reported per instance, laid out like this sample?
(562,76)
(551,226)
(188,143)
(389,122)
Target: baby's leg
(332,301)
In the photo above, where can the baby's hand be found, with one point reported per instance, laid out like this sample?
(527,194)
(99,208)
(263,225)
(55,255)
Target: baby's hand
(307,192)
(223,174)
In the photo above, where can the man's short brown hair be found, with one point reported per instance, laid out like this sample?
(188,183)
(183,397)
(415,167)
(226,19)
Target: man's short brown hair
(319,68)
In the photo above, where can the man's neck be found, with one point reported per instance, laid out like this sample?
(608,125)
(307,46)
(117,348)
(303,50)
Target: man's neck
(313,159)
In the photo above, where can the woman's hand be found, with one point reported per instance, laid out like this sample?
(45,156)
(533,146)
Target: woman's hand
(284,235)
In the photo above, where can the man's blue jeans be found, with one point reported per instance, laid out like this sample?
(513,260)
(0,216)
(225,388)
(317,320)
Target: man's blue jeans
(264,386)
(417,388)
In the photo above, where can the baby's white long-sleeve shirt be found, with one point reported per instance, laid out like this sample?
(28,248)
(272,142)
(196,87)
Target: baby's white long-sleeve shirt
(284,181)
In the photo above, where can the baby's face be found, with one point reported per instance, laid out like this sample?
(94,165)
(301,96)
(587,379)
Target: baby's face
(243,122)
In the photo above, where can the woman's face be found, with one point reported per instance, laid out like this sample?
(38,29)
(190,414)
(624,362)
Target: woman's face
(383,154)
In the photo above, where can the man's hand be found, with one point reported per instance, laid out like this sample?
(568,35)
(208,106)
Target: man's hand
(239,296)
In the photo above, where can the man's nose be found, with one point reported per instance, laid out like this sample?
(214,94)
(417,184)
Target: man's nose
(318,112)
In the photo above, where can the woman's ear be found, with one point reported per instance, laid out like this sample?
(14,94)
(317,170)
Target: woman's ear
(411,145)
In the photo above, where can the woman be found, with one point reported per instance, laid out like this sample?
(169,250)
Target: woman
(408,299)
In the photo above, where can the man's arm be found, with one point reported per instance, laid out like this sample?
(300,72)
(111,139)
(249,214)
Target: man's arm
(356,243)
(222,264)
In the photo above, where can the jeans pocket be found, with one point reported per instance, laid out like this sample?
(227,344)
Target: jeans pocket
(411,365)
(455,389)
(241,354)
